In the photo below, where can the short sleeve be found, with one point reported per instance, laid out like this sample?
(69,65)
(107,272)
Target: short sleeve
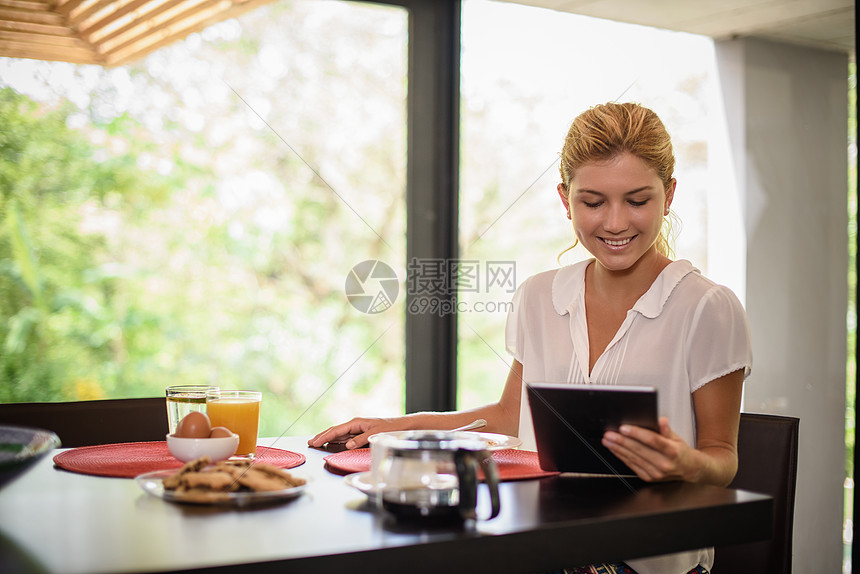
(515,327)
(719,341)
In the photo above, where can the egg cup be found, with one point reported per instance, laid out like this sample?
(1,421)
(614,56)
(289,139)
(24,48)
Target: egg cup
(188,449)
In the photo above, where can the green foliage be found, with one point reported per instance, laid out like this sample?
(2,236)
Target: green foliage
(851,368)
(56,308)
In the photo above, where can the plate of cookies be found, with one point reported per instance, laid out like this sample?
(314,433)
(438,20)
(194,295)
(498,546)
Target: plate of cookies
(227,482)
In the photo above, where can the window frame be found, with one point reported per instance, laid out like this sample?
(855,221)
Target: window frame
(432,193)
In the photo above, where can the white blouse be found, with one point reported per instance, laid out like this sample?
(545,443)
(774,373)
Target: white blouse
(684,332)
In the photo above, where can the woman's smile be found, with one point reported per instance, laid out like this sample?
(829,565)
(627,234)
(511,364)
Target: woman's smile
(618,243)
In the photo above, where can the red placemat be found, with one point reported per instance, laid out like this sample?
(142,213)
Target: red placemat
(512,464)
(348,461)
(129,459)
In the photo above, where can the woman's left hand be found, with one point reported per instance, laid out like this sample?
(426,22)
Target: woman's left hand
(663,455)
(654,456)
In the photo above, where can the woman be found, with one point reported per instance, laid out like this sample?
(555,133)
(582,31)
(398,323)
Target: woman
(629,316)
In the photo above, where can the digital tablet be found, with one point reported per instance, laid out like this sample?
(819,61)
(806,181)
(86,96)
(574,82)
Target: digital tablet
(569,422)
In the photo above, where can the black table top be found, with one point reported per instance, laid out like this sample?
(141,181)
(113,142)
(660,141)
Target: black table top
(56,521)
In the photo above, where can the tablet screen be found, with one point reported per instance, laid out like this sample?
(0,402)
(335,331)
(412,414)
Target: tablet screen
(569,422)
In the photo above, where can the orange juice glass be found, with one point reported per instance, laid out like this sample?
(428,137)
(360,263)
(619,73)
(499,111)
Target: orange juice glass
(239,411)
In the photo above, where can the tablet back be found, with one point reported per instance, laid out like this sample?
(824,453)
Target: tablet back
(569,422)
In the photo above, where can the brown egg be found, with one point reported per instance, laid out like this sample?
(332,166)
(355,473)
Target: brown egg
(193,425)
(219,432)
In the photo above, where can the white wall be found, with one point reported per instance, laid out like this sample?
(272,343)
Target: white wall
(786,110)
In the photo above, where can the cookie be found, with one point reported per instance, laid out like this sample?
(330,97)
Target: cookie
(173,481)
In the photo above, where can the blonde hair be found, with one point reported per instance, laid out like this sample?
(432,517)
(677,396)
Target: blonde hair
(604,131)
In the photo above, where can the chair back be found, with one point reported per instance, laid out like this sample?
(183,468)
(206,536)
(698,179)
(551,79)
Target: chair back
(767,464)
(85,423)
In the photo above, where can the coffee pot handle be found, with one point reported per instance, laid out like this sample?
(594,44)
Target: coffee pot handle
(467,462)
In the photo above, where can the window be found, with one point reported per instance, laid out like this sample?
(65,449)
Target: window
(526,73)
(235,179)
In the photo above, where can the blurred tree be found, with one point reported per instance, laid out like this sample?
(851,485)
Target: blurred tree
(58,327)
(243,172)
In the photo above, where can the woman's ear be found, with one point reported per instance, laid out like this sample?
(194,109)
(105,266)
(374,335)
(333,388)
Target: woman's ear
(670,195)
(562,193)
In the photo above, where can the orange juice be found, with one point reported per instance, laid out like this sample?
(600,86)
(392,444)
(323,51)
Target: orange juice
(239,411)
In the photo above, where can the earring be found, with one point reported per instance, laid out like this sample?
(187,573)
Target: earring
(568,214)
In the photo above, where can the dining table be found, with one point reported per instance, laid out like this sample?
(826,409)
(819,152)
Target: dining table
(53,520)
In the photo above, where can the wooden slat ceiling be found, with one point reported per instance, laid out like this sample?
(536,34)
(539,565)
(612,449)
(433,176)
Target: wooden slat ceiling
(115,32)
(105,32)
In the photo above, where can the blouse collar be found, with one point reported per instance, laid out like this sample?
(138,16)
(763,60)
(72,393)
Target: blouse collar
(568,288)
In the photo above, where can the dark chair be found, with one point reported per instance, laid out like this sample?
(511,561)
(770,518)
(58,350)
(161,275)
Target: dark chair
(86,423)
(767,464)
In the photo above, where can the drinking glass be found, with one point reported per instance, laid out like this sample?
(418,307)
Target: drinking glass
(182,399)
(239,411)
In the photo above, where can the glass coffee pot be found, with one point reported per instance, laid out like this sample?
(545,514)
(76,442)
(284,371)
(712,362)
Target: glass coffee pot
(432,474)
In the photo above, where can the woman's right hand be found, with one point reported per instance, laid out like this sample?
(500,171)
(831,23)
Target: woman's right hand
(501,417)
(356,431)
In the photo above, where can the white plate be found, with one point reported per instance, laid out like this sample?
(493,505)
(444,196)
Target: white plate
(494,441)
(361,481)
(151,483)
